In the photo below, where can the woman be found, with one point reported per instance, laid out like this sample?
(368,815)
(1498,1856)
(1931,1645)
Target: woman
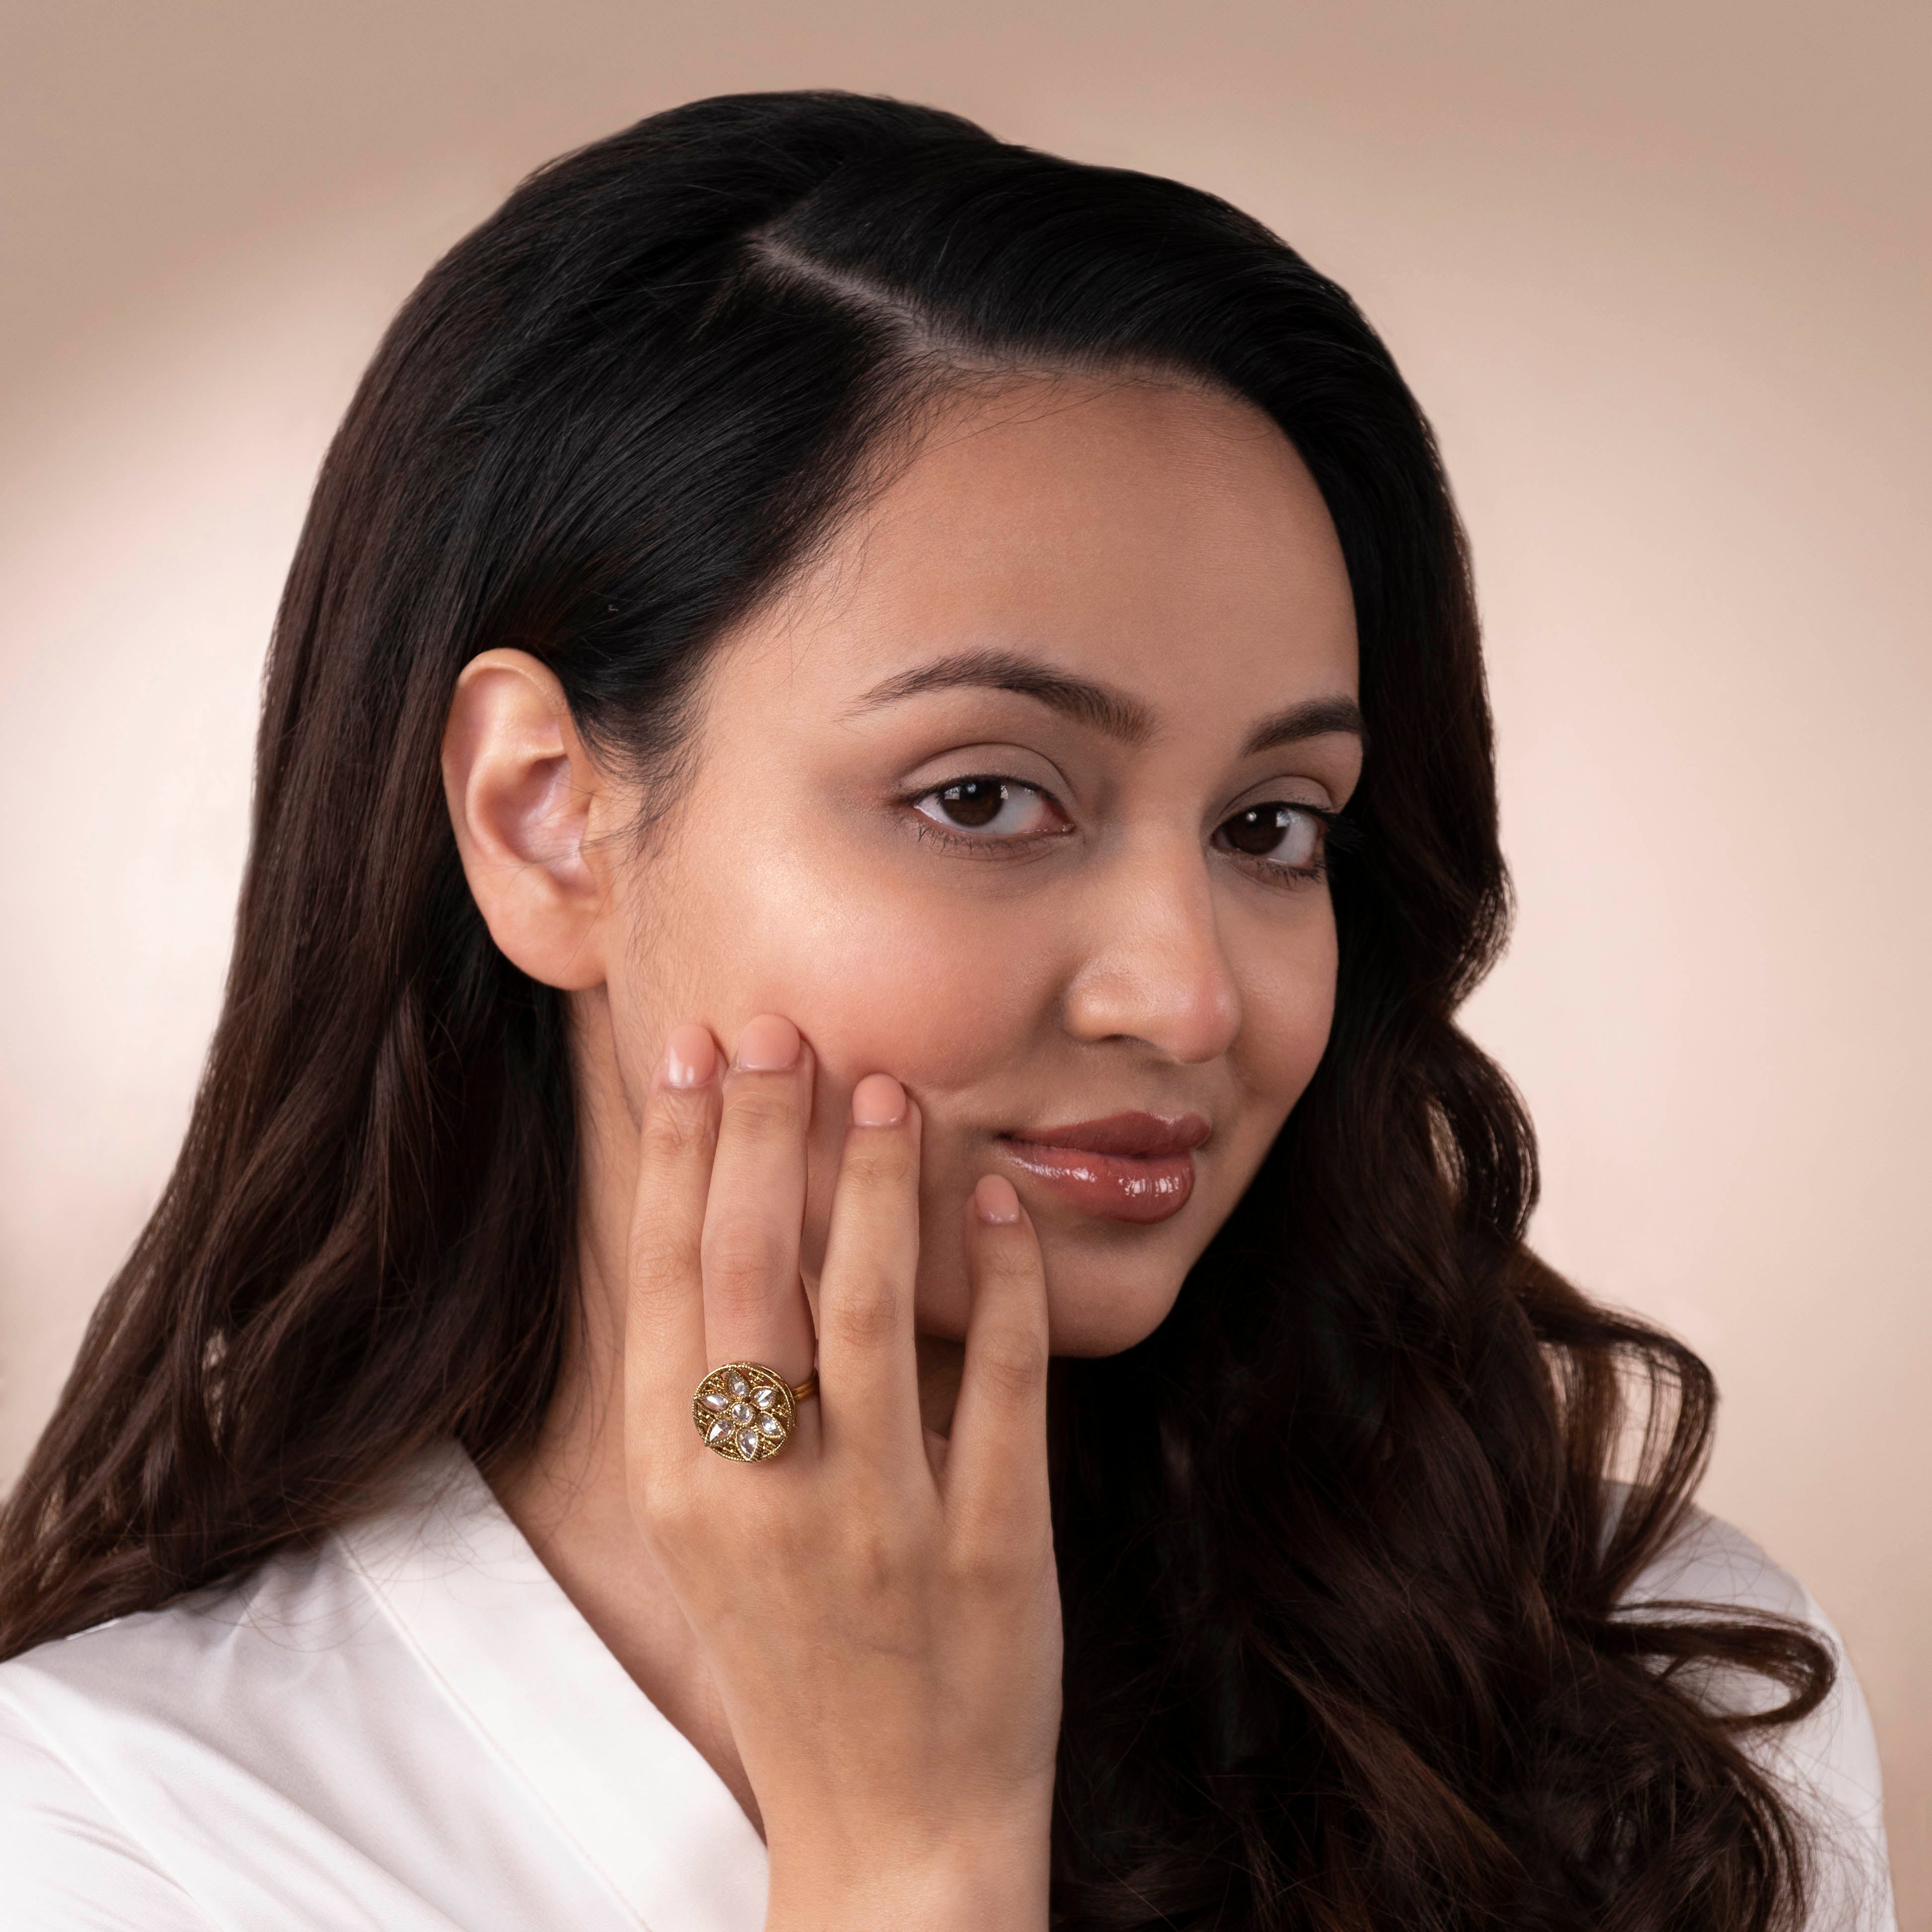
(875,772)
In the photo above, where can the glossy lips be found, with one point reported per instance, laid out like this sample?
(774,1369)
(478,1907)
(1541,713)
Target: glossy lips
(1128,1167)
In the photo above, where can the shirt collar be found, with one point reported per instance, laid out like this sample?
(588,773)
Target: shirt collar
(467,1594)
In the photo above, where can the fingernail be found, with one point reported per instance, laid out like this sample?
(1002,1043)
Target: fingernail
(769,1044)
(878,1101)
(691,1056)
(994,1201)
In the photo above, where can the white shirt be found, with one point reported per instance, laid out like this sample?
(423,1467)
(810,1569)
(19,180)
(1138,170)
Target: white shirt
(412,1729)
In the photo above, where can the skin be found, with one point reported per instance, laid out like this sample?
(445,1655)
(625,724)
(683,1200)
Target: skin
(807,1009)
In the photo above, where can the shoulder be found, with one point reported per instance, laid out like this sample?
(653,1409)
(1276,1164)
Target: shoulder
(73,1837)
(292,1750)
(117,1742)
(1708,1560)
(1828,1763)
(70,1861)
(216,1652)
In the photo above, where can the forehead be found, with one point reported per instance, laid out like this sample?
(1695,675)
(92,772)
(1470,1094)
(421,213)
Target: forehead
(1142,533)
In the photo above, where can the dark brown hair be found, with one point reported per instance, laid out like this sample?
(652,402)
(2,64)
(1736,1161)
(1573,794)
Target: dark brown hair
(1341,1561)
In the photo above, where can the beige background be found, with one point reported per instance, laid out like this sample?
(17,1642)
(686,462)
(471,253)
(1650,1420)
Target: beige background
(1659,270)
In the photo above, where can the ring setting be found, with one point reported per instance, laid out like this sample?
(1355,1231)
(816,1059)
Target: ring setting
(745,1412)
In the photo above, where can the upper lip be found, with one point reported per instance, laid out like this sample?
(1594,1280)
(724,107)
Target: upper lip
(1146,1135)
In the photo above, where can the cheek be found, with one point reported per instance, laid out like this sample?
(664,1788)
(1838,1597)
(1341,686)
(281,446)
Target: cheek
(1287,1010)
(882,978)
(1287,1006)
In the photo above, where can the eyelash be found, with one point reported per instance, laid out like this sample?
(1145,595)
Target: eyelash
(1338,835)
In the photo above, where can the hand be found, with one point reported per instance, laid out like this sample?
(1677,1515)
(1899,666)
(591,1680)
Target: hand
(885,1634)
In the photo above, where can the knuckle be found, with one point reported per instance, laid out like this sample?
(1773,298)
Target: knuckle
(880,1169)
(869,1559)
(1012,1363)
(761,1111)
(983,1563)
(665,1512)
(675,1129)
(1014,1262)
(863,1315)
(880,1552)
(742,1259)
(658,1263)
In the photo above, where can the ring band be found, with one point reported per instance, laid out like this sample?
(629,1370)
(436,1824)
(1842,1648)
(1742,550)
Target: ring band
(745,1412)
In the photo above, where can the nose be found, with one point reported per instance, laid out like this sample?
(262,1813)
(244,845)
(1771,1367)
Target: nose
(1155,971)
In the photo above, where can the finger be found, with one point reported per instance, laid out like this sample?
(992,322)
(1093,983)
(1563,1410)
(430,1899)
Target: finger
(663,1321)
(755,1305)
(868,1376)
(996,1473)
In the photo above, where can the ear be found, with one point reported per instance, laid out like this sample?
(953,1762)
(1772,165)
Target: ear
(526,801)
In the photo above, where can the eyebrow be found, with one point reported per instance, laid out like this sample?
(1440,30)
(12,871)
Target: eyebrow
(1108,710)
(1314,718)
(1112,712)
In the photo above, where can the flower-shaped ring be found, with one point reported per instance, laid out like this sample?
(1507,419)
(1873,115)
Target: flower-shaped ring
(746,1412)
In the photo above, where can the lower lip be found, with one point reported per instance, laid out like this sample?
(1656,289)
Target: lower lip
(1141,1188)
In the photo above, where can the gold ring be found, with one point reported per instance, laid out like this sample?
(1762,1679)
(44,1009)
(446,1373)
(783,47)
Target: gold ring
(746,1412)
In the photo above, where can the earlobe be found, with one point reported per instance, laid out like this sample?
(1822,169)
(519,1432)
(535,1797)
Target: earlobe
(524,796)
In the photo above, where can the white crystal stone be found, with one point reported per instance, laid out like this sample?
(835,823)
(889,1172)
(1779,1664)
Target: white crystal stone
(772,1425)
(718,1431)
(737,1384)
(748,1443)
(766,1398)
(713,1400)
(741,1413)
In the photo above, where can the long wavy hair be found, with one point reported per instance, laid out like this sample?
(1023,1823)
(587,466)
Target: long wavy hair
(1341,1554)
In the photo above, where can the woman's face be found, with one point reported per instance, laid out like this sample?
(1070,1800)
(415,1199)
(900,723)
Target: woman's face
(1000,797)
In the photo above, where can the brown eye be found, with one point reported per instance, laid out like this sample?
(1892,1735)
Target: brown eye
(1285,835)
(1001,811)
(976,802)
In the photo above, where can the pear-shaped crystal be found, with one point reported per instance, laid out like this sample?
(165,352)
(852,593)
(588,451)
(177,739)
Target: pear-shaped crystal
(766,1398)
(713,1400)
(718,1433)
(737,1384)
(748,1443)
(772,1425)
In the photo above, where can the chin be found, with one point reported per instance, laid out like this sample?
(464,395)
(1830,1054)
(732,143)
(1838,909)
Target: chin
(1098,1303)
(1104,1317)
